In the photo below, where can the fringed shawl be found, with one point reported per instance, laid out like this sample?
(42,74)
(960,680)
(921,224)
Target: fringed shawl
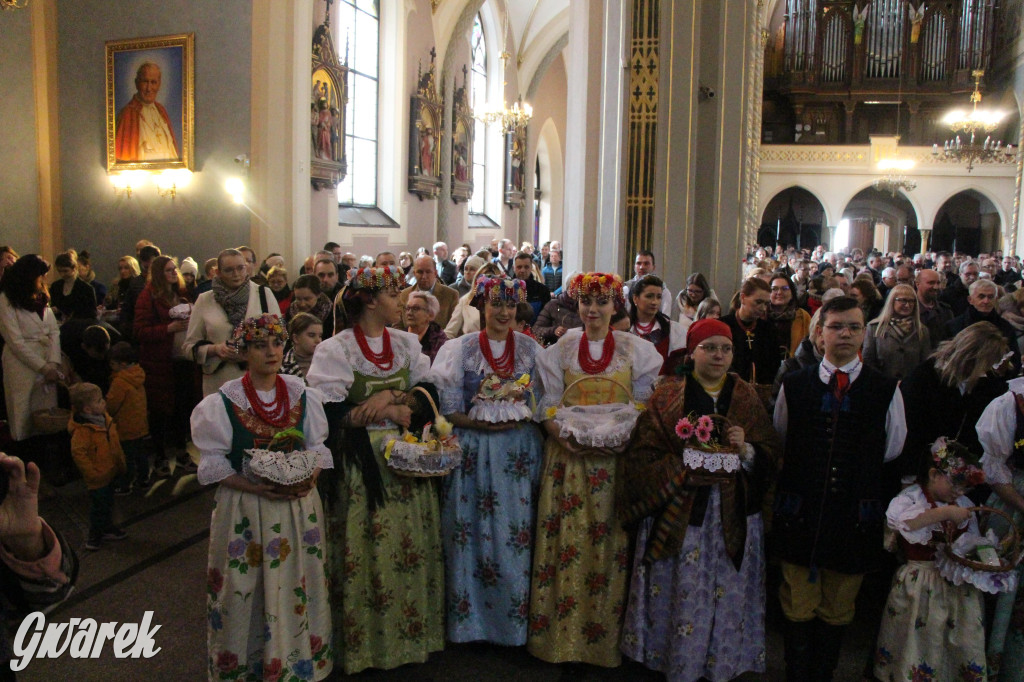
(654,481)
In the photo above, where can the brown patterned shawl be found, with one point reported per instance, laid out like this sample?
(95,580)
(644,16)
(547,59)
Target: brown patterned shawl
(653,481)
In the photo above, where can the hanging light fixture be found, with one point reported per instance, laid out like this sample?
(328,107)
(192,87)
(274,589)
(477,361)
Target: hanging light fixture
(519,114)
(13,4)
(895,179)
(971,125)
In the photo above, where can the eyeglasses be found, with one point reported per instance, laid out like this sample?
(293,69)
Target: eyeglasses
(695,292)
(838,327)
(905,301)
(712,348)
(414,309)
(775,289)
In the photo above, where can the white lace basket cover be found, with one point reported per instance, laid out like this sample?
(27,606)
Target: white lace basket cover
(438,456)
(598,426)
(713,462)
(506,403)
(284,468)
(992,582)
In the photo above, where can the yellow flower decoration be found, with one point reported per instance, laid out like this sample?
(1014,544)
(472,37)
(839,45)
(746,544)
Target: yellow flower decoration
(523,380)
(551,412)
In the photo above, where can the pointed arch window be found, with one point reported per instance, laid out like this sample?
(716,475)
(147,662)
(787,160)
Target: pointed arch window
(478,100)
(358,33)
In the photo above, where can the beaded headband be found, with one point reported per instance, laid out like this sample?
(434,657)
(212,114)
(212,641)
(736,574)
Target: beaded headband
(377,279)
(597,284)
(956,461)
(252,329)
(495,289)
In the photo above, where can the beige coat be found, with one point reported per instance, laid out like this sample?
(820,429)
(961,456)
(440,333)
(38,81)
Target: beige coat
(31,343)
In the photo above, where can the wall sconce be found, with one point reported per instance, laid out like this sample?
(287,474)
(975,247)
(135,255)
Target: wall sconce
(236,188)
(170,181)
(126,182)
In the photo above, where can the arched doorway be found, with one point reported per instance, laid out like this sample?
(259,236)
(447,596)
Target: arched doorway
(793,217)
(967,222)
(881,220)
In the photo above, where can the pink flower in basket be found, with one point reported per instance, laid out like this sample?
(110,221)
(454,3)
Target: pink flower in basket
(684,428)
(705,423)
(703,433)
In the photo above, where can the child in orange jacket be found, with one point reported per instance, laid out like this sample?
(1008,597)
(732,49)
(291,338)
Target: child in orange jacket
(126,404)
(96,450)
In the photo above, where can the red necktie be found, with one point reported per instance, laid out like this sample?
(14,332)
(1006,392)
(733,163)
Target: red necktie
(842,383)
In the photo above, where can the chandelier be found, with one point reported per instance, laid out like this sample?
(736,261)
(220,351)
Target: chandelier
(895,180)
(512,118)
(13,4)
(971,125)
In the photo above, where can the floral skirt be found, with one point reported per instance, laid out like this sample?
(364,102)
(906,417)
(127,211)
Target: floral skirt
(268,615)
(931,629)
(386,568)
(695,616)
(580,563)
(1006,641)
(487,514)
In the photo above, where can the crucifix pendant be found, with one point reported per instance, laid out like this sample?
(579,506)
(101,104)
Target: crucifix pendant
(750,340)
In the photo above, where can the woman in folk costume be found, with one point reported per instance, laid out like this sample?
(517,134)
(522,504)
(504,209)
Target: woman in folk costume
(581,559)
(386,569)
(267,600)
(488,503)
(697,599)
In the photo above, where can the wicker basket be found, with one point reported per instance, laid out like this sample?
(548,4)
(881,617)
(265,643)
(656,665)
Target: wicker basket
(439,457)
(51,421)
(578,421)
(721,459)
(1009,546)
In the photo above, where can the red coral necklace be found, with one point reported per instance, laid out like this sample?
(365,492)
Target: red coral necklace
(504,365)
(275,412)
(644,329)
(587,363)
(385,359)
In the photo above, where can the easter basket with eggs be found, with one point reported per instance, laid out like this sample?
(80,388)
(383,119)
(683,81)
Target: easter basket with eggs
(435,452)
(284,462)
(502,399)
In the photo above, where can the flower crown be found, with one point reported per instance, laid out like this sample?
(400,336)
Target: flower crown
(253,329)
(377,279)
(598,284)
(494,289)
(959,463)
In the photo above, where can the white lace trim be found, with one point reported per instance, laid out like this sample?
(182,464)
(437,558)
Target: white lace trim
(598,426)
(416,459)
(214,469)
(281,467)
(711,461)
(986,581)
(496,411)
(234,391)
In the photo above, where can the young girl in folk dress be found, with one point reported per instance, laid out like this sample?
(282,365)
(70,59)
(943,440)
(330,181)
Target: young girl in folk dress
(267,600)
(932,629)
(581,558)
(488,503)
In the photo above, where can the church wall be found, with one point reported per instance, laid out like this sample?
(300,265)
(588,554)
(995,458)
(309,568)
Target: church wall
(202,219)
(549,103)
(19,184)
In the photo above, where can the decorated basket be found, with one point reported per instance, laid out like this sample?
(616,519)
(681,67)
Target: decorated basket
(957,568)
(436,453)
(710,456)
(597,426)
(285,461)
(502,400)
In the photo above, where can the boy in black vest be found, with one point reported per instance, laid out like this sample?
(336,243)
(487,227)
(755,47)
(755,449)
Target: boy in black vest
(841,421)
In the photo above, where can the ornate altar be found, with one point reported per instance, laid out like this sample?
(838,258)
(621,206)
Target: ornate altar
(328,97)
(462,143)
(425,135)
(515,161)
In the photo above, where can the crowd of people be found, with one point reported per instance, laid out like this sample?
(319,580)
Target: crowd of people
(832,400)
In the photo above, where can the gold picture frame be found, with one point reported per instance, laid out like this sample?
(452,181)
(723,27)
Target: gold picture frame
(151,71)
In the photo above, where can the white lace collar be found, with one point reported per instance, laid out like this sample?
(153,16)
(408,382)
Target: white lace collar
(236,394)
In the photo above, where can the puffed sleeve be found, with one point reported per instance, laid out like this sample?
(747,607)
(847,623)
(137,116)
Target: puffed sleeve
(419,366)
(447,374)
(647,363)
(314,428)
(676,337)
(906,506)
(211,433)
(550,377)
(330,370)
(995,433)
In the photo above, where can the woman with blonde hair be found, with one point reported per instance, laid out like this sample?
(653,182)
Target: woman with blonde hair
(896,342)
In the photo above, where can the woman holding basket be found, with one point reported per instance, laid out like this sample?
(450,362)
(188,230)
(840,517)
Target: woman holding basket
(267,600)
(694,484)
(484,380)
(385,565)
(581,559)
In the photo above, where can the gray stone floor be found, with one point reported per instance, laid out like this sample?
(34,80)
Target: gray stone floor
(161,567)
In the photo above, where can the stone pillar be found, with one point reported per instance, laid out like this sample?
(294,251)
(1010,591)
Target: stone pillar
(525,226)
(44,82)
(1017,223)
(926,233)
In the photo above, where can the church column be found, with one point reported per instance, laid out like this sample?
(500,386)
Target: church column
(44,82)
(525,222)
(279,181)
(1017,224)
(706,138)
